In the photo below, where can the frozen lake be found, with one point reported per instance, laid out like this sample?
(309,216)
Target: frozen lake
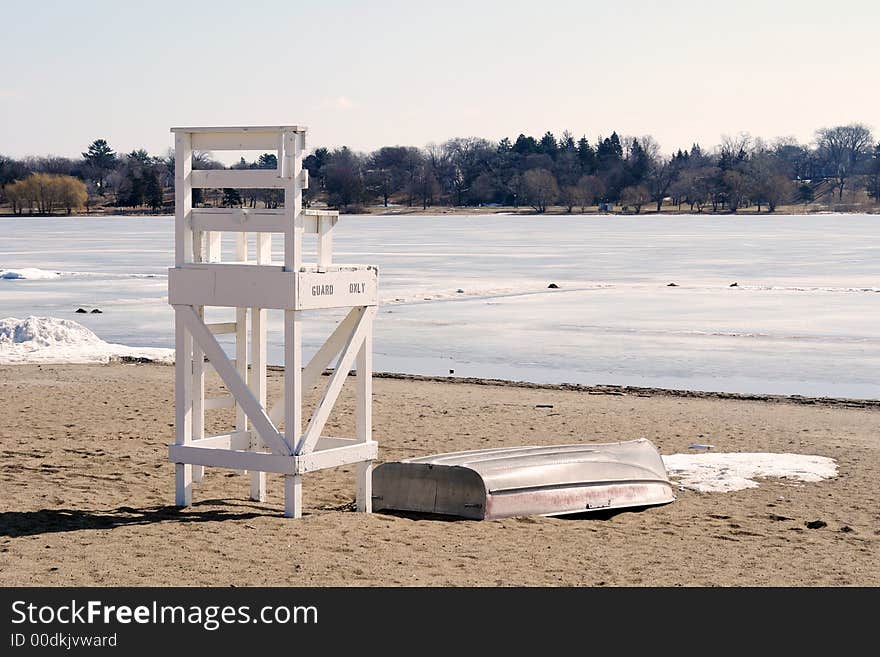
(803,319)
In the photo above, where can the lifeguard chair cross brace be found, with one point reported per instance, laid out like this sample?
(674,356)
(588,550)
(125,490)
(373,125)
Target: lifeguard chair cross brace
(200,279)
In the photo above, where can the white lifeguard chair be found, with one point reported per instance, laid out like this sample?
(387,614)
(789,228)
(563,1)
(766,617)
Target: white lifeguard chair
(201,279)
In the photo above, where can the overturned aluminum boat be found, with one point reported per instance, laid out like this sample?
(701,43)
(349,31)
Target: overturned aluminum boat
(519,481)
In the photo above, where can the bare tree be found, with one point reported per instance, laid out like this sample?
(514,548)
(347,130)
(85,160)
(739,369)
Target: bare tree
(651,147)
(390,169)
(467,157)
(540,188)
(735,188)
(766,182)
(424,185)
(842,148)
(635,196)
(661,175)
(795,160)
(734,149)
(695,185)
(569,195)
(590,188)
(344,177)
(47,192)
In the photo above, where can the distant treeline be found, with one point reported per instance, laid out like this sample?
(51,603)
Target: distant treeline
(841,168)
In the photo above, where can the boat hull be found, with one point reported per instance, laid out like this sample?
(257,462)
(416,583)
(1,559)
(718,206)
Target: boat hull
(522,481)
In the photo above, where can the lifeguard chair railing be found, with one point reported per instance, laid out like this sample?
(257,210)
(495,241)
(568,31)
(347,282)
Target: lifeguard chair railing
(200,279)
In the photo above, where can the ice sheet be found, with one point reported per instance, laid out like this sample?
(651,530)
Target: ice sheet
(804,317)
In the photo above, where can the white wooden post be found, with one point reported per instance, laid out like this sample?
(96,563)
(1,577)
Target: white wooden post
(292,202)
(258,365)
(292,406)
(325,243)
(214,246)
(183,245)
(200,279)
(198,356)
(293,496)
(298,218)
(364,420)
(198,396)
(292,323)
(241,355)
(183,408)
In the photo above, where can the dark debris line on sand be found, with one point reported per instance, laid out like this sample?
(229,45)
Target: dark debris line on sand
(636,390)
(594,389)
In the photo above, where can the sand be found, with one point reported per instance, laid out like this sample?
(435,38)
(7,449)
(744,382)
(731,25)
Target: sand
(87,492)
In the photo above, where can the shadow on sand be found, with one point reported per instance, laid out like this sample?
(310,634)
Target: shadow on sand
(586,515)
(47,521)
(605,514)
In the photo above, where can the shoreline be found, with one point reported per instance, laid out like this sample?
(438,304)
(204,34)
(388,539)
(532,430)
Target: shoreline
(594,389)
(640,391)
(590,389)
(446,211)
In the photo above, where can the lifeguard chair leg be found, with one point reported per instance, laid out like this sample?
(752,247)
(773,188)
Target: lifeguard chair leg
(292,406)
(183,476)
(292,496)
(364,420)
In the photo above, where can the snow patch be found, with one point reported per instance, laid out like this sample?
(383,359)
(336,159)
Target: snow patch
(35,274)
(30,273)
(100,274)
(726,472)
(53,340)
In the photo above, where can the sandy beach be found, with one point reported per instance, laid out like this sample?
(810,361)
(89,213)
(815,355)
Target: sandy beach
(87,492)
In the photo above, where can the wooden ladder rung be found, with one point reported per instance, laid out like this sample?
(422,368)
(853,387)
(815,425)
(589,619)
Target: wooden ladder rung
(222,328)
(224,401)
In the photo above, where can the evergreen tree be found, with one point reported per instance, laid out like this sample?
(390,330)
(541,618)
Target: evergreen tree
(315,164)
(610,166)
(586,156)
(131,195)
(548,145)
(231,197)
(267,161)
(141,156)
(100,159)
(637,165)
(153,190)
(874,174)
(566,144)
(525,145)
(609,151)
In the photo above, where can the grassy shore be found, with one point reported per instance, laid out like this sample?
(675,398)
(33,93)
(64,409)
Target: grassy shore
(397,210)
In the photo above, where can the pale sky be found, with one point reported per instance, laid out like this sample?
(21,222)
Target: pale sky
(369,74)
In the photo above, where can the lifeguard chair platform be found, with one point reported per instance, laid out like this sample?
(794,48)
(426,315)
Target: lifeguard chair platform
(199,279)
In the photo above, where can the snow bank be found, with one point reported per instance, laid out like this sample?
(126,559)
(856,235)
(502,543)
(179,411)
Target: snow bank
(725,472)
(30,273)
(52,340)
